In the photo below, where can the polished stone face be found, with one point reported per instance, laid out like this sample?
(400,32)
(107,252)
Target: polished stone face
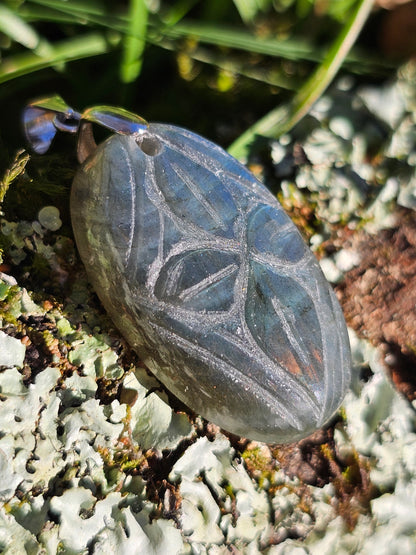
(210,281)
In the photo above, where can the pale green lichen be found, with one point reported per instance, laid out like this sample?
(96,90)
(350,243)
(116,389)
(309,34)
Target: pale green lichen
(12,351)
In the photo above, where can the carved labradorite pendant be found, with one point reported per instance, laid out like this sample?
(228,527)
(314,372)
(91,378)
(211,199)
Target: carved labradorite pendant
(203,273)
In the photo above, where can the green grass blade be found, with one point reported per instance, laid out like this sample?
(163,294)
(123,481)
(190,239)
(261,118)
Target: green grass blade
(243,40)
(289,49)
(204,33)
(283,118)
(270,76)
(158,33)
(207,33)
(82,7)
(18,30)
(134,41)
(178,11)
(73,49)
(248,9)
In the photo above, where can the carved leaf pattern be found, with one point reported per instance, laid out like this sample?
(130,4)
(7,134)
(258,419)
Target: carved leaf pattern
(213,284)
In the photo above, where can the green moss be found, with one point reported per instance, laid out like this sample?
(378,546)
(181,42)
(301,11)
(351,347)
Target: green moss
(125,459)
(353,488)
(259,463)
(16,169)
(10,303)
(301,209)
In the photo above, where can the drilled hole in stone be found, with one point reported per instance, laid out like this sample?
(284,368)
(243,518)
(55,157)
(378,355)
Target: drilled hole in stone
(150,146)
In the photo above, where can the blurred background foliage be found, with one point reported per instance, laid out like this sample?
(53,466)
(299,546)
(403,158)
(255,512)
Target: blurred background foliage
(214,66)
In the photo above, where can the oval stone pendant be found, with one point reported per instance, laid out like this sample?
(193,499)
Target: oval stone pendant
(204,274)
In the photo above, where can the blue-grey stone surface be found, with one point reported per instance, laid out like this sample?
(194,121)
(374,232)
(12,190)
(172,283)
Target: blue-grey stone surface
(210,281)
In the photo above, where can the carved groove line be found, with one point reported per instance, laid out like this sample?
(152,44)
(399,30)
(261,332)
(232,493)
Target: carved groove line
(203,239)
(133,215)
(207,357)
